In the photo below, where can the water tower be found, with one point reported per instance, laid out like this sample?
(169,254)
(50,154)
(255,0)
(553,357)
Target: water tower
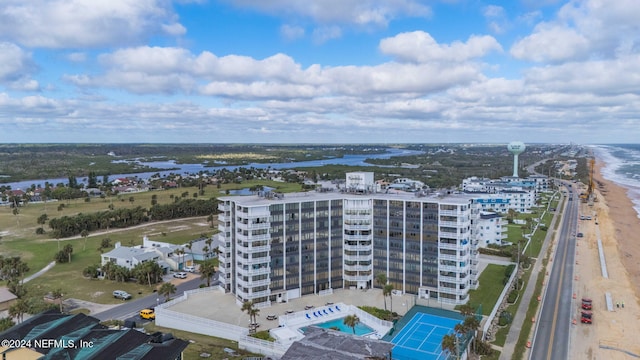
(516,148)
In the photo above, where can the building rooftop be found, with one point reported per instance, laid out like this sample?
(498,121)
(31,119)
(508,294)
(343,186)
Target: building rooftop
(61,336)
(325,344)
(256,200)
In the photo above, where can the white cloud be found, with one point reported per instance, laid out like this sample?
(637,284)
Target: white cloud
(77,57)
(583,30)
(551,43)
(176,70)
(79,23)
(324,33)
(419,46)
(493,11)
(359,12)
(16,67)
(292,32)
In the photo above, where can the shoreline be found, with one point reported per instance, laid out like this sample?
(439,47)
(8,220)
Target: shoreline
(626,223)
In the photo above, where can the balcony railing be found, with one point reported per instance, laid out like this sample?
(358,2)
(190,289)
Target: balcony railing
(357,257)
(358,237)
(358,247)
(357,227)
(358,267)
(448,246)
(224,207)
(357,277)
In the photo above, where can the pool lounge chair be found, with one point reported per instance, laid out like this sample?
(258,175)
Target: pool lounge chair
(325,311)
(315,314)
(308,317)
(330,310)
(337,308)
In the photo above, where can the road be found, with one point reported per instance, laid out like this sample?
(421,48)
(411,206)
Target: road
(551,339)
(130,309)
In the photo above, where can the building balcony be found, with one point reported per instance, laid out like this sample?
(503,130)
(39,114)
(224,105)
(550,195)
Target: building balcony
(248,249)
(355,278)
(259,294)
(357,237)
(448,246)
(450,279)
(253,260)
(259,226)
(357,267)
(258,271)
(358,257)
(453,268)
(254,283)
(357,227)
(358,247)
(224,207)
(450,212)
(453,291)
(449,257)
(223,217)
(447,234)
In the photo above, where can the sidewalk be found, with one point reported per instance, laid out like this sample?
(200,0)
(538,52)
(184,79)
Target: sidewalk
(519,317)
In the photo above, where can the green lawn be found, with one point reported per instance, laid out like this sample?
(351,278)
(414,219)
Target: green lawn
(202,344)
(491,286)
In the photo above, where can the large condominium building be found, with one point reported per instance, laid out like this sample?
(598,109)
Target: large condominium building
(281,247)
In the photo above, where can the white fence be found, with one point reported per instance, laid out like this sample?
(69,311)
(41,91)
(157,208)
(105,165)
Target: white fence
(195,324)
(268,348)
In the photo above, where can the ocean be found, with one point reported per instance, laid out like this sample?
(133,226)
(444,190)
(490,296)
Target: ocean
(622,166)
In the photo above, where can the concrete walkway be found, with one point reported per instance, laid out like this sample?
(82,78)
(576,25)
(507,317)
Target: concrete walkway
(42,271)
(520,316)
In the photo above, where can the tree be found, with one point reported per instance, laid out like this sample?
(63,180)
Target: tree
(207,270)
(167,289)
(387,291)
(57,296)
(381,280)
(6,323)
(248,307)
(352,321)
(68,250)
(84,233)
(449,344)
(42,219)
(91,271)
(18,309)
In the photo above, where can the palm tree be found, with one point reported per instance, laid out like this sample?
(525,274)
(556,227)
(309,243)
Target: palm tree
(18,309)
(84,235)
(467,310)
(352,321)
(167,289)
(386,291)
(207,270)
(205,250)
(57,295)
(209,241)
(248,307)
(449,344)
(381,280)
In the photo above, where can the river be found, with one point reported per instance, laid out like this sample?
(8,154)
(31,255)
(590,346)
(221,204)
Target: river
(350,160)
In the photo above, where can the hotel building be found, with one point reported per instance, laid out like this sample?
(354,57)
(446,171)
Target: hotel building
(280,247)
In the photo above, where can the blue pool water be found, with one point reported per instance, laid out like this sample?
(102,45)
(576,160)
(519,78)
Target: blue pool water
(361,329)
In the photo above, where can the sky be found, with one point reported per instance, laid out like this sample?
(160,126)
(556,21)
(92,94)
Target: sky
(319,71)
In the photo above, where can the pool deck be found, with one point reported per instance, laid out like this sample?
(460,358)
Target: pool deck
(218,306)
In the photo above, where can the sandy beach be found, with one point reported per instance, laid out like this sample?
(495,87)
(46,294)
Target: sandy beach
(613,334)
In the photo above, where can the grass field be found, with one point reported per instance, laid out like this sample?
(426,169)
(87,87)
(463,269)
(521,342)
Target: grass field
(19,238)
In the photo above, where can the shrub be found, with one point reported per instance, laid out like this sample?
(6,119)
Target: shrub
(379,313)
(513,297)
(263,335)
(505,318)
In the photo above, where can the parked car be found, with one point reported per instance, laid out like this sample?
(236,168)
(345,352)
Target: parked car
(272,317)
(586,317)
(148,314)
(586,304)
(180,275)
(190,268)
(580,235)
(121,294)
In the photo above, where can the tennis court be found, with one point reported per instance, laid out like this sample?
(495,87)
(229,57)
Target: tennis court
(421,337)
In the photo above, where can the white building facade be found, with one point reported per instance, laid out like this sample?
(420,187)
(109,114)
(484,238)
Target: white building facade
(280,248)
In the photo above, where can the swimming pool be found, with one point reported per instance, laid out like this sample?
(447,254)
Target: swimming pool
(361,329)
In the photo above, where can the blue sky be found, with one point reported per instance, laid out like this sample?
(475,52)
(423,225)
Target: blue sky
(319,71)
